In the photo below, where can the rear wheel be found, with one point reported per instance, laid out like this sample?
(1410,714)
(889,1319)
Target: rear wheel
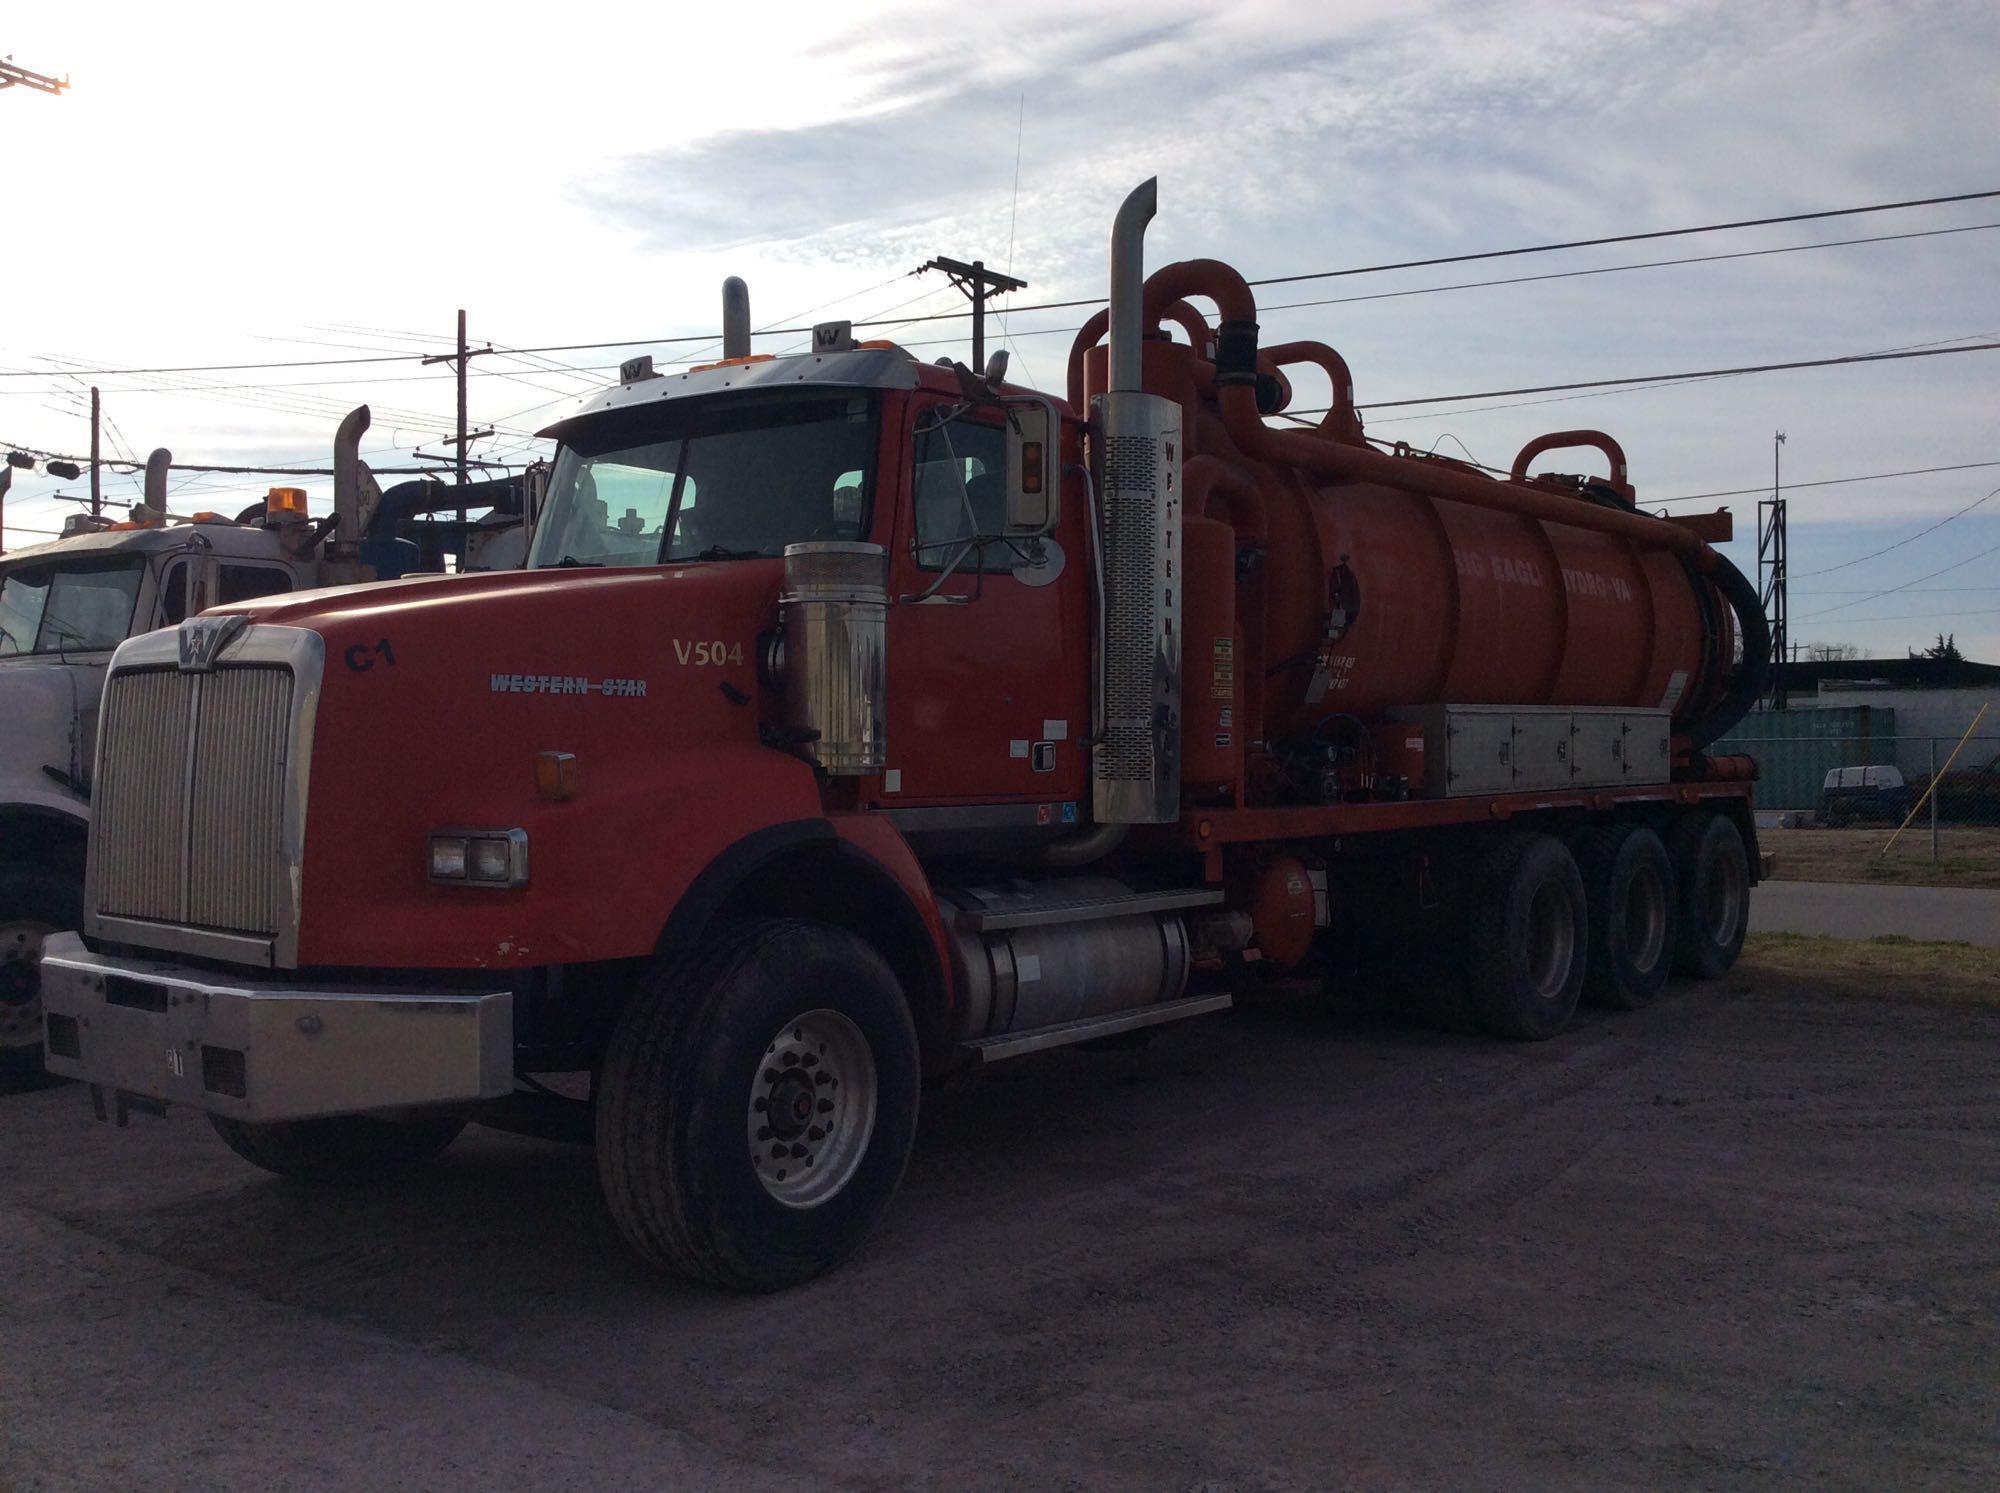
(34,902)
(1712,882)
(344,1148)
(1525,934)
(758,1105)
(1628,887)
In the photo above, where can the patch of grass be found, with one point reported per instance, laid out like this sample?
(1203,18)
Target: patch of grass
(1970,855)
(1888,966)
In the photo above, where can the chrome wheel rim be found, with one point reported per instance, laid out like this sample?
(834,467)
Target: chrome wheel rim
(1646,918)
(812,1108)
(1551,942)
(21,983)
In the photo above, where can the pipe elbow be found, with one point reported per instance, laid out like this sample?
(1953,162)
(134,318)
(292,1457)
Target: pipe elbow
(1562,440)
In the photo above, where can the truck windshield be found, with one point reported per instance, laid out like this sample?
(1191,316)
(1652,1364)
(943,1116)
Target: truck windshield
(49,608)
(719,479)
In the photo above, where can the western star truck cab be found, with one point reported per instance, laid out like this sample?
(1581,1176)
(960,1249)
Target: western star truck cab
(858,721)
(65,607)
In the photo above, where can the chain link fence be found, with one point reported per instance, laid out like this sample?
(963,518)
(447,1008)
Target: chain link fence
(1831,806)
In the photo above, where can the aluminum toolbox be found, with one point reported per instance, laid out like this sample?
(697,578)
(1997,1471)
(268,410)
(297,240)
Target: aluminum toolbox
(1475,749)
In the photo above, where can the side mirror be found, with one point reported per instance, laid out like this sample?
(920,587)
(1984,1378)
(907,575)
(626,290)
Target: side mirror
(1034,468)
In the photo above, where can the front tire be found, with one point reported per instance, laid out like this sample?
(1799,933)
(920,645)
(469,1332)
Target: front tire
(1712,878)
(344,1148)
(1628,886)
(1525,931)
(758,1105)
(34,902)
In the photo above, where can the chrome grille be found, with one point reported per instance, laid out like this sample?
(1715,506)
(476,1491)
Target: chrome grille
(190,800)
(140,800)
(235,864)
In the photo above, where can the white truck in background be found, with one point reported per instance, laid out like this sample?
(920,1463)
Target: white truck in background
(66,605)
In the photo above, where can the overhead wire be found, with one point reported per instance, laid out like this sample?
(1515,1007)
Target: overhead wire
(1912,539)
(1905,586)
(1743,492)
(1369,269)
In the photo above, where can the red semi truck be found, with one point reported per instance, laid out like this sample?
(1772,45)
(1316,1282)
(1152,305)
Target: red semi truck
(859,720)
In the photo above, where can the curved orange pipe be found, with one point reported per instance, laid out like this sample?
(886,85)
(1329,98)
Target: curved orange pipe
(1559,440)
(1346,463)
(1342,421)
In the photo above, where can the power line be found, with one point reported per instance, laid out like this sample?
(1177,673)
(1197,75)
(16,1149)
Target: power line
(1914,591)
(1674,378)
(1932,529)
(1634,238)
(1739,492)
(1370,269)
(1619,269)
(1906,585)
(1919,616)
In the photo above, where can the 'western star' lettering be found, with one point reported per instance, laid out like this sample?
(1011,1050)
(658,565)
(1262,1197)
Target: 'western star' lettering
(565,684)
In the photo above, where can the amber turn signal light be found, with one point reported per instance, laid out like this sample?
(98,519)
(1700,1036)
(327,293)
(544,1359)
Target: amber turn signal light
(1031,466)
(555,775)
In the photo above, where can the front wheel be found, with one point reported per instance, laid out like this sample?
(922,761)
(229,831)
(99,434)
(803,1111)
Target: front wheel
(758,1104)
(34,902)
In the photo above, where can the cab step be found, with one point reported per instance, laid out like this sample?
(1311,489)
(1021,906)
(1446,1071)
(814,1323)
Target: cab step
(1017,1044)
(1046,914)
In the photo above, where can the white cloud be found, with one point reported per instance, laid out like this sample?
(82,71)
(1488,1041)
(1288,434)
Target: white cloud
(218,176)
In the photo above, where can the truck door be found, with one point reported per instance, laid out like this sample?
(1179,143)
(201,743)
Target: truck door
(989,677)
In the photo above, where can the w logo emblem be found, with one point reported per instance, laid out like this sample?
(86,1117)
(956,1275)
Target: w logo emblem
(203,639)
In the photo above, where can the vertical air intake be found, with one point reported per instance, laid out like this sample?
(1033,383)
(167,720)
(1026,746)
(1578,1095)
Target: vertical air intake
(835,610)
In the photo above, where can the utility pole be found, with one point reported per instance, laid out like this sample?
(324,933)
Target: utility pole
(463,438)
(96,483)
(979,284)
(1771,572)
(10,75)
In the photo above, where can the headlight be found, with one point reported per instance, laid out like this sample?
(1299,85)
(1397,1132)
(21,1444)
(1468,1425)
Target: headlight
(479,857)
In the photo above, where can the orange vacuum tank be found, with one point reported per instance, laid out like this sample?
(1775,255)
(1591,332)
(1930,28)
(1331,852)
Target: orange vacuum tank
(1365,598)
(1381,598)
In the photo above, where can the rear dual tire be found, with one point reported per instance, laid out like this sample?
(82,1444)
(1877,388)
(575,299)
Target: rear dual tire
(1712,885)
(1630,892)
(1525,933)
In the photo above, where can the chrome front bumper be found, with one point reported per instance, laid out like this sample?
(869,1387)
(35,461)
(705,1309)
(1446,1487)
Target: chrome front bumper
(263,1052)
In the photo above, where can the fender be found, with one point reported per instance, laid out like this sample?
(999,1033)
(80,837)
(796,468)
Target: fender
(854,870)
(34,829)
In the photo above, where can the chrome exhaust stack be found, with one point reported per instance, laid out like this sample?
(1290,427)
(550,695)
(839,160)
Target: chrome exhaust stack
(158,465)
(735,318)
(1137,449)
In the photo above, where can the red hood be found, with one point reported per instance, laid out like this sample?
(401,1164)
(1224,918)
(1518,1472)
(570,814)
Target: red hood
(440,691)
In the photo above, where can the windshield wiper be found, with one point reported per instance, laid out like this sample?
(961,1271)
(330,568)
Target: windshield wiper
(724,552)
(570,562)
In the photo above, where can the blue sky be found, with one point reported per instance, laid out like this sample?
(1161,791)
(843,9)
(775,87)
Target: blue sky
(323,194)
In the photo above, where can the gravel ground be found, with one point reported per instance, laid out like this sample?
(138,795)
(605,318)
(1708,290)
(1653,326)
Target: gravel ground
(1743,1239)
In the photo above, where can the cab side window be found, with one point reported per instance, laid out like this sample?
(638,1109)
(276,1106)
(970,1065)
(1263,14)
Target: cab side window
(242,582)
(174,595)
(960,492)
